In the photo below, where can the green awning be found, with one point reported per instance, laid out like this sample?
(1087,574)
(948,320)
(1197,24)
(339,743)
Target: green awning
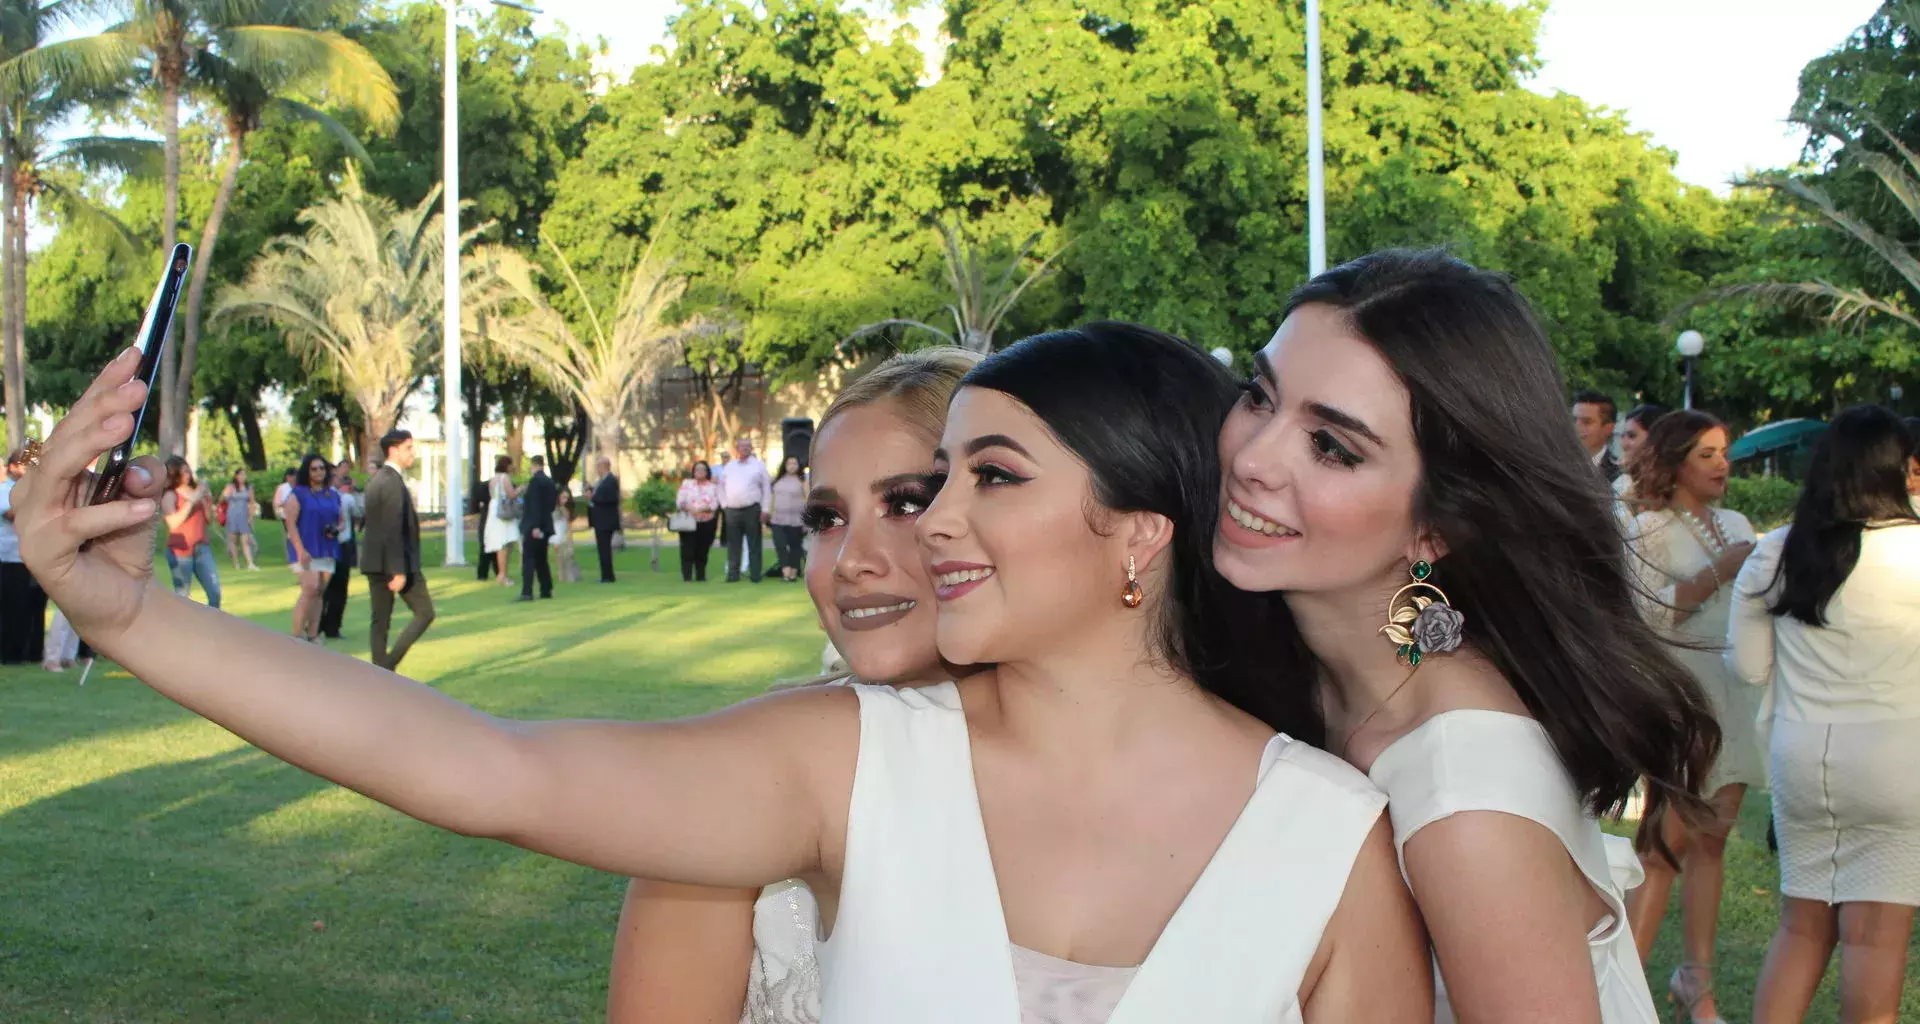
(1773,437)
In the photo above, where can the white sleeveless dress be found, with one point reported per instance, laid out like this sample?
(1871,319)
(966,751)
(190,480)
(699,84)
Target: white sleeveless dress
(1461,761)
(921,937)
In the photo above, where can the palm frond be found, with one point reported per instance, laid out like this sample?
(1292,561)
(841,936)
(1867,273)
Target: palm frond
(1895,177)
(97,61)
(93,221)
(1834,304)
(1896,255)
(885,325)
(327,63)
(319,117)
(136,158)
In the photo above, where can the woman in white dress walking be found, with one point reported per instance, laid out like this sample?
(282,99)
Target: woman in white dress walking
(1134,805)
(1400,473)
(501,532)
(1826,618)
(1686,554)
(683,952)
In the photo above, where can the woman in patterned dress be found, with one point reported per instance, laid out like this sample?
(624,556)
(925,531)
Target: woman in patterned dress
(1687,555)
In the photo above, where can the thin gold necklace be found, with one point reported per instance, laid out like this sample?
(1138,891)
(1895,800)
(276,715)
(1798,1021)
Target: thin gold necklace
(1355,731)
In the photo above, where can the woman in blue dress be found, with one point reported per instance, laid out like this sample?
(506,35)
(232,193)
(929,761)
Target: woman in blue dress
(313,532)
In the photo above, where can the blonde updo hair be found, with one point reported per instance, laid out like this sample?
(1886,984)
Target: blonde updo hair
(918,385)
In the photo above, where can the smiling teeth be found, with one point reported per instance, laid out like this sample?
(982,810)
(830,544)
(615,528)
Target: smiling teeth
(954,579)
(1256,523)
(868,613)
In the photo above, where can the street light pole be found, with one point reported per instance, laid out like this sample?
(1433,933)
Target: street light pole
(450,288)
(1316,177)
(1689,344)
(452,421)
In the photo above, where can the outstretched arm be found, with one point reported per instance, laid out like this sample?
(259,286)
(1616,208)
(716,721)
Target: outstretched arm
(734,798)
(682,955)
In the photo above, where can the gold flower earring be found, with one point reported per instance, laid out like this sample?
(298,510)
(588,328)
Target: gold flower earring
(1131,594)
(1420,620)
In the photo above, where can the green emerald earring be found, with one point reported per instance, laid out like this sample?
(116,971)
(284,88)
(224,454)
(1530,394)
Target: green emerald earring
(1420,621)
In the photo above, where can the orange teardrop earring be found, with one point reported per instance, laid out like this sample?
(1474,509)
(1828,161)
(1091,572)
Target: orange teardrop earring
(1131,594)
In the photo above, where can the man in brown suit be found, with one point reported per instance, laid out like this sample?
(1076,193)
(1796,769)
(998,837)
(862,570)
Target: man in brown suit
(390,552)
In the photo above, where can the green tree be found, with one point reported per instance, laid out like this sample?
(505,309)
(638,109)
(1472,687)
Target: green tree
(168,44)
(243,93)
(602,368)
(751,156)
(38,165)
(982,294)
(358,294)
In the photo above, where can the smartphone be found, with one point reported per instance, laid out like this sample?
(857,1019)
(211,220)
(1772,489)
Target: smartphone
(151,339)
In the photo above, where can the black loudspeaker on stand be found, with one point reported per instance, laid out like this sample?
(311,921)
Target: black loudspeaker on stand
(796,438)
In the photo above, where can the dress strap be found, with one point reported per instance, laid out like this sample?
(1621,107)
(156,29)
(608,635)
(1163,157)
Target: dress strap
(1240,944)
(919,934)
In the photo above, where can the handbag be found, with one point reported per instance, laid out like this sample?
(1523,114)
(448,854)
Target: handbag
(508,508)
(682,522)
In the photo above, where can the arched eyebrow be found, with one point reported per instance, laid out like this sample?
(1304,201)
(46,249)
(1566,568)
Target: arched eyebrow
(982,443)
(1322,410)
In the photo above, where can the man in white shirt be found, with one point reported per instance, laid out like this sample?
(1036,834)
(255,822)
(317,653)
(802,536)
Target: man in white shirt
(746,489)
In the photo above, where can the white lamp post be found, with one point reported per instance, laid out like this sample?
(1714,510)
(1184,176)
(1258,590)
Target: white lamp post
(450,430)
(1316,178)
(1689,344)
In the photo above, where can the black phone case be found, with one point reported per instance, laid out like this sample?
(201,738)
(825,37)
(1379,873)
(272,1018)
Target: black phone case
(153,340)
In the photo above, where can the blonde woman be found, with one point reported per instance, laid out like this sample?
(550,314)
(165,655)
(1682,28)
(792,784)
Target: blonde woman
(686,954)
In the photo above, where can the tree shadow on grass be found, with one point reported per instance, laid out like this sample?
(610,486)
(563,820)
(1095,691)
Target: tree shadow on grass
(190,891)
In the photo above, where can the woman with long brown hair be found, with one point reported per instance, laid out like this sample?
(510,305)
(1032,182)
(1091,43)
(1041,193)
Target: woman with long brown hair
(1399,476)
(1687,554)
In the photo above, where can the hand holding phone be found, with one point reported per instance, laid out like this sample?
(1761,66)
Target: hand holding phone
(150,341)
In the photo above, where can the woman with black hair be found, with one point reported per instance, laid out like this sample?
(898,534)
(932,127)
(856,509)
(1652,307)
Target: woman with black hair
(1107,812)
(1400,474)
(313,541)
(1827,615)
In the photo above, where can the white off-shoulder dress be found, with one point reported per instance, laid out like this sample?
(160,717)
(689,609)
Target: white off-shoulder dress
(920,935)
(1459,762)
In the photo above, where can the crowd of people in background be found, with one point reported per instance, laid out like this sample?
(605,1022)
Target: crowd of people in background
(1805,643)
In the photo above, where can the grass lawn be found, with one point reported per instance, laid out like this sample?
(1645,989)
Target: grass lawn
(154,868)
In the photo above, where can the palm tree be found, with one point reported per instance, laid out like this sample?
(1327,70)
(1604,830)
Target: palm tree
(32,168)
(167,43)
(981,299)
(358,295)
(245,95)
(603,370)
(1901,180)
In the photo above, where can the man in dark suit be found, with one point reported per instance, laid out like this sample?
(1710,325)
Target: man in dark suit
(603,514)
(536,529)
(1593,416)
(390,552)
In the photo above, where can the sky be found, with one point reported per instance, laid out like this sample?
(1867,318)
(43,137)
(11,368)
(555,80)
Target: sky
(1711,80)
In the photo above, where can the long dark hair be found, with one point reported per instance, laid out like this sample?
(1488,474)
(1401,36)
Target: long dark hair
(1656,466)
(305,476)
(178,473)
(1142,411)
(1857,477)
(1533,553)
